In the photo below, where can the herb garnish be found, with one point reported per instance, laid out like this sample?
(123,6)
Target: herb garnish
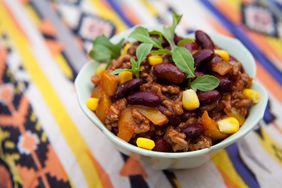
(104,50)
(142,51)
(142,34)
(169,31)
(205,83)
(183,60)
(161,52)
(158,33)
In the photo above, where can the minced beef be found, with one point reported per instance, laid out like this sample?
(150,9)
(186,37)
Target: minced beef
(200,143)
(176,140)
(114,113)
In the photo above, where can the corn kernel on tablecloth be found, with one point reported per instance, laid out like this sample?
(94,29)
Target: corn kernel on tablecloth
(45,139)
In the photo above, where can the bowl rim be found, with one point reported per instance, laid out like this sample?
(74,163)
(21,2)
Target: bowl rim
(125,145)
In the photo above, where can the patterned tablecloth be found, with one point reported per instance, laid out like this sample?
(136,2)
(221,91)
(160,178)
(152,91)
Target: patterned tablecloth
(46,140)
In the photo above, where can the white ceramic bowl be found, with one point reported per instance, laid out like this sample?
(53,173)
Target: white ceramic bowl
(162,160)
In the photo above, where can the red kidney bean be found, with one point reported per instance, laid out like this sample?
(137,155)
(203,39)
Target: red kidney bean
(191,46)
(187,115)
(204,40)
(225,85)
(203,56)
(193,131)
(145,98)
(162,146)
(124,89)
(209,96)
(169,72)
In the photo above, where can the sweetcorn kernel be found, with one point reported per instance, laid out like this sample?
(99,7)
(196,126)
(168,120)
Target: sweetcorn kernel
(155,59)
(125,76)
(125,49)
(190,100)
(145,143)
(101,68)
(223,54)
(228,125)
(252,95)
(92,103)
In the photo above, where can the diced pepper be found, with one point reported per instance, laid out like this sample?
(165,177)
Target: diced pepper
(228,125)
(145,143)
(223,54)
(252,95)
(125,76)
(125,49)
(101,68)
(126,125)
(92,103)
(154,115)
(155,59)
(221,67)
(109,83)
(97,92)
(103,107)
(210,128)
(190,100)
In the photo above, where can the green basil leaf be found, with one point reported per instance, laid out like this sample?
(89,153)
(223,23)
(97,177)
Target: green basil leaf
(134,63)
(184,41)
(141,34)
(100,53)
(102,40)
(157,43)
(104,51)
(117,71)
(155,32)
(176,18)
(116,49)
(169,31)
(169,36)
(205,83)
(142,51)
(161,52)
(183,59)
(134,67)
